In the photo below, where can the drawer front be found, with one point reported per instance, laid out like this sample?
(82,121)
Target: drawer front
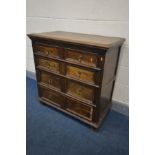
(47,51)
(80,91)
(89,59)
(52,96)
(50,79)
(79,109)
(80,73)
(48,64)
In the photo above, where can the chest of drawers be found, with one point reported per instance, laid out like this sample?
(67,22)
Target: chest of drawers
(76,72)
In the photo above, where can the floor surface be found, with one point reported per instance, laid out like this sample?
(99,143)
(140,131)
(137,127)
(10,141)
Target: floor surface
(50,132)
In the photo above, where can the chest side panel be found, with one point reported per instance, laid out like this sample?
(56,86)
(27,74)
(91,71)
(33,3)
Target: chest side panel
(109,74)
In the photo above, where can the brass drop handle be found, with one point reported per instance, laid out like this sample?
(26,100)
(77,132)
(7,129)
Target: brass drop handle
(101,58)
(79,91)
(47,52)
(79,74)
(48,65)
(79,58)
(50,81)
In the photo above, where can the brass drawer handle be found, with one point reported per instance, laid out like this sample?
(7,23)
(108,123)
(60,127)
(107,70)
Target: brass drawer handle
(101,58)
(79,73)
(80,58)
(48,65)
(91,60)
(79,91)
(50,81)
(47,52)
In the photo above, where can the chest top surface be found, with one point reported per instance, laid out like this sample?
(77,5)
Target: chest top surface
(86,39)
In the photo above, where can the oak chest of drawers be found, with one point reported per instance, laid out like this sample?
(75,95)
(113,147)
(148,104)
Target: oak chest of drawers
(76,72)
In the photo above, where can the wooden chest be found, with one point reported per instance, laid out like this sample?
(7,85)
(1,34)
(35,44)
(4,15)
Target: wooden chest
(76,72)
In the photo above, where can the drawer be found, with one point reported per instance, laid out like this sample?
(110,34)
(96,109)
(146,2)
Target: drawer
(49,79)
(49,95)
(79,109)
(47,51)
(48,64)
(88,59)
(81,74)
(80,91)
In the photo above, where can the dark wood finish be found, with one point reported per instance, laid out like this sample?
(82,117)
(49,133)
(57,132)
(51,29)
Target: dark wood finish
(46,50)
(80,91)
(52,96)
(76,72)
(51,80)
(79,109)
(48,64)
(79,73)
(89,59)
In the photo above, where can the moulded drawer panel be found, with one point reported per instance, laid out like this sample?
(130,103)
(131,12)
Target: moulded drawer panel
(50,79)
(48,64)
(50,95)
(81,74)
(80,91)
(89,59)
(79,109)
(47,50)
